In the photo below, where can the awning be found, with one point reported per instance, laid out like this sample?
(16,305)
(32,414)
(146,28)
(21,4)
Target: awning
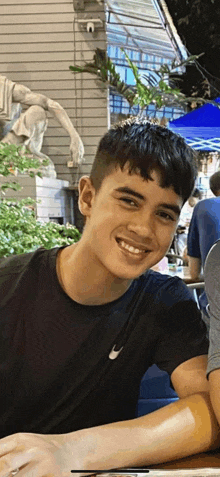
(200,128)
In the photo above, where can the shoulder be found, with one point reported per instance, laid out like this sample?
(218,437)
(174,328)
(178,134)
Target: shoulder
(164,288)
(13,265)
(172,301)
(16,263)
(201,205)
(207,205)
(18,271)
(202,210)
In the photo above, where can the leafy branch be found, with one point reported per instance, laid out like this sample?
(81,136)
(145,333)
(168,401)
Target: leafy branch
(156,87)
(16,160)
(105,70)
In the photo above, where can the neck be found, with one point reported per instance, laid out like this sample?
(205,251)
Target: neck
(86,281)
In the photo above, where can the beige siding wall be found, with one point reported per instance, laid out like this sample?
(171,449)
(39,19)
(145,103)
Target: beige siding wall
(39,40)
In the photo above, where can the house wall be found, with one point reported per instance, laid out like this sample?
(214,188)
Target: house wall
(54,200)
(38,42)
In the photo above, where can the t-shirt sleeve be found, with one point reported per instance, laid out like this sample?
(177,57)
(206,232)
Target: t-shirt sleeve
(212,288)
(193,248)
(182,331)
(13,274)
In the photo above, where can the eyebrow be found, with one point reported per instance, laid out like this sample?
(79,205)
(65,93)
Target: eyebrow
(127,190)
(175,208)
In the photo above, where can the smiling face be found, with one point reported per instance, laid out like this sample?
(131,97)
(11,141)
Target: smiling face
(130,222)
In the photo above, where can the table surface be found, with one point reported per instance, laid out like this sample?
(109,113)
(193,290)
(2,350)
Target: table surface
(181,272)
(206,459)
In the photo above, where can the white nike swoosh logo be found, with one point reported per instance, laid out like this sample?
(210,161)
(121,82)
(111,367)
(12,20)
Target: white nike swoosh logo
(114,354)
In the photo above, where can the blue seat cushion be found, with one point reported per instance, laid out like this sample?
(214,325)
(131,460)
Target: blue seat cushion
(155,391)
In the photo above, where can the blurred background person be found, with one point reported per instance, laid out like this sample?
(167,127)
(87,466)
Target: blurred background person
(204,231)
(187,210)
(179,245)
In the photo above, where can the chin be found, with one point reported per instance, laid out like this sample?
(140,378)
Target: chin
(129,269)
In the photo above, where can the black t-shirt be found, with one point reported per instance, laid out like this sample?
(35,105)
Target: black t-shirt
(56,375)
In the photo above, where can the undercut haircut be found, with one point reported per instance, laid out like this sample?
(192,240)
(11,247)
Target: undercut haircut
(146,147)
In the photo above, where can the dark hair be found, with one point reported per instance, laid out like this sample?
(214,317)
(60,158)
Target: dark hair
(146,147)
(197,193)
(214,183)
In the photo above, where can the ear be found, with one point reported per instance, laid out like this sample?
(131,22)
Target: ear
(86,195)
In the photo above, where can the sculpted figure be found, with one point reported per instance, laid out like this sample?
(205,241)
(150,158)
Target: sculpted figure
(28,127)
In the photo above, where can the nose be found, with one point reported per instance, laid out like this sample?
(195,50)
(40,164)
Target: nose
(143,228)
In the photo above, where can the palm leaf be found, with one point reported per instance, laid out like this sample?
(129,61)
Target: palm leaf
(105,70)
(160,91)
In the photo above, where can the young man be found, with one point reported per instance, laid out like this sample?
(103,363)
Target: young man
(80,325)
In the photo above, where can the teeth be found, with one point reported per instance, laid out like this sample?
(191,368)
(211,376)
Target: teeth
(130,248)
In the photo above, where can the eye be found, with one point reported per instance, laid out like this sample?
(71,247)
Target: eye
(166,216)
(128,201)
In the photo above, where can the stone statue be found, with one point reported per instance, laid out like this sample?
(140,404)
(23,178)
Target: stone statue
(28,127)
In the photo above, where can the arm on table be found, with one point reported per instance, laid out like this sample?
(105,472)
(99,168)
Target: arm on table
(183,428)
(24,95)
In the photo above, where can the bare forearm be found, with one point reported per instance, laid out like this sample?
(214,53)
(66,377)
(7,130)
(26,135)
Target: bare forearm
(184,428)
(180,429)
(194,267)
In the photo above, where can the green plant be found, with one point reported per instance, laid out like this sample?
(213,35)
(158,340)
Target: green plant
(16,159)
(105,70)
(154,87)
(21,232)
